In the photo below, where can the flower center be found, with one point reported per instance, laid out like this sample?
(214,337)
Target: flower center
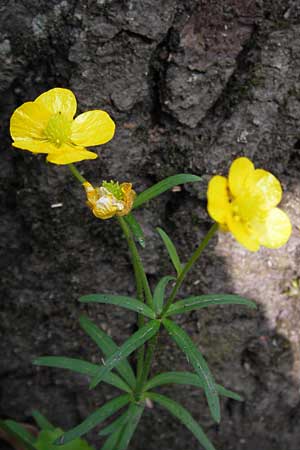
(58,130)
(114,188)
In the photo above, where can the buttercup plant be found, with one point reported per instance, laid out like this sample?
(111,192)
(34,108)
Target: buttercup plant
(244,204)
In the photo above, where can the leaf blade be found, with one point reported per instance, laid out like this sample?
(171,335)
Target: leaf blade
(135,414)
(115,425)
(171,249)
(199,364)
(94,419)
(120,300)
(136,229)
(203,301)
(19,433)
(163,186)
(159,292)
(184,416)
(135,341)
(42,421)
(186,378)
(108,346)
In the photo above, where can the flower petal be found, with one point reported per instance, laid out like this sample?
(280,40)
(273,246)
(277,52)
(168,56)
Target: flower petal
(238,172)
(277,229)
(92,128)
(242,234)
(58,100)
(218,200)
(69,154)
(265,188)
(36,146)
(29,122)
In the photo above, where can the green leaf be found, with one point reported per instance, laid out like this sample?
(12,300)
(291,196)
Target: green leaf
(119,300)
(108,346)
(163,186)
(20,433)
(134,342)
(184,416)
(159,293)
(135,414)
(112,441)
(186,378)
(136,229)
(171,249)
(42,421)
(202,301)
(115,425)
(47,437)
(94,419)
(196,359)
(83,367)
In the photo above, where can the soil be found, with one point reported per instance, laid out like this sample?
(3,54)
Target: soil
(191,84)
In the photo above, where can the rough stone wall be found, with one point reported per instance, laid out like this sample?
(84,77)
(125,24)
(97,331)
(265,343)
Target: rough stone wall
(191,84)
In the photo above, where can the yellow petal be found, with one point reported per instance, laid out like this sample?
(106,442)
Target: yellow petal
(92,128)
(218,200)
(58,100)
(29,122)
(128,198)
(277,229)
(238,172)
(265,188)
(69,154)
(36,146)
(242,234)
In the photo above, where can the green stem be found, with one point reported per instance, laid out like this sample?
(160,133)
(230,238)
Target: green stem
(76,173)
(189,265)
(147,366)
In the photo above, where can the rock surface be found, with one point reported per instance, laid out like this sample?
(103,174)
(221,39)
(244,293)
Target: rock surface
(191,85)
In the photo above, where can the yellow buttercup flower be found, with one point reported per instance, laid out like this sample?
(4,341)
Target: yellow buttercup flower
(47,125)
(245,204)
(110,199)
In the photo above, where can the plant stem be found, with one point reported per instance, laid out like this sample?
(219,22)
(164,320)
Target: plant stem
(76,173)
(147,366)
(189,265)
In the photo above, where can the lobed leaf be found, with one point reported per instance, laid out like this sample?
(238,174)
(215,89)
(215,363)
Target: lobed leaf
(202,301)
(83,367)
(196,359)
(136,229)
(119,300)
(108,346)
(94,419)
(163,186)
(171,249)
(135,341)
(186,378)
(159,293)
(184,416)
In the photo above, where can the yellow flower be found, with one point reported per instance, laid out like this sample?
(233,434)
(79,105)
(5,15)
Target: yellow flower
(245,204)
(110,199)
(46,125)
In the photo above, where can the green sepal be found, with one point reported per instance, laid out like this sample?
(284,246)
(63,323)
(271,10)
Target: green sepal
(120,300)
(184,416)
(199,364)
(163,186)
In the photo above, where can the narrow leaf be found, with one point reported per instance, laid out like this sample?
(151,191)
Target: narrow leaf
(112,441)
(162,186)
(184,416)
(202,301)
(171,249)
(119,300)
(135,414)
(159,293)
(134,342)
(186,378)
(83,367)
(94,419)
(196,359)
(115,425)
(136,229)
(108,346)
(42,421)
(20,433)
